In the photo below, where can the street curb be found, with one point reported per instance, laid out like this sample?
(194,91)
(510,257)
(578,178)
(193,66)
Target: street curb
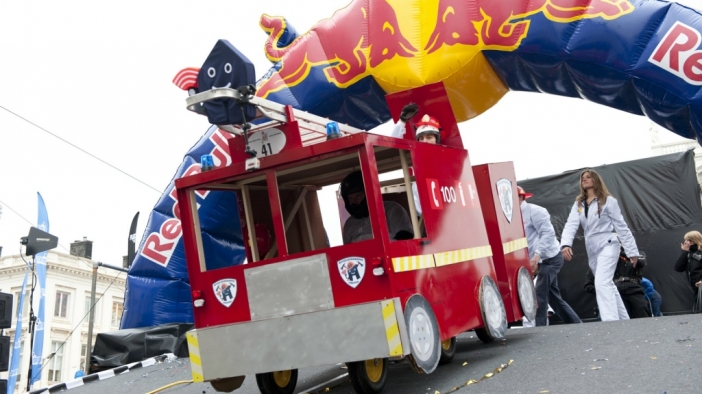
(104,374)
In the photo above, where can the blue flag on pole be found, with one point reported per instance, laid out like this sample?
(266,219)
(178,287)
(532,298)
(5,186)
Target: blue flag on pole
(14,361)
(40,292)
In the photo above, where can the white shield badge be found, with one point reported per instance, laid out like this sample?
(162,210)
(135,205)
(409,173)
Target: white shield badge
(504,193)
(225,291)
(352,270)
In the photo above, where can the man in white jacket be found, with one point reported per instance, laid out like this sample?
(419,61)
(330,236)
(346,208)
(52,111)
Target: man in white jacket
(544,251)
(599,215)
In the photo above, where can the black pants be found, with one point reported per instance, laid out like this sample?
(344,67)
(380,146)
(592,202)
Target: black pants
(547,293)
(634,299)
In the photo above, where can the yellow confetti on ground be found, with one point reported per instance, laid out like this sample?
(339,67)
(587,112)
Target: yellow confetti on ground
(487,376)
(653,357)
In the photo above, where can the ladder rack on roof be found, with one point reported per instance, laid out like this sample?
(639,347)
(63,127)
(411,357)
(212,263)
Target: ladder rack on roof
(270,114)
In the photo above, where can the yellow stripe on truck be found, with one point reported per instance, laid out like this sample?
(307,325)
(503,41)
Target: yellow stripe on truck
(195,361)
(392,331)
(512,246)
(412,263)
(461,255)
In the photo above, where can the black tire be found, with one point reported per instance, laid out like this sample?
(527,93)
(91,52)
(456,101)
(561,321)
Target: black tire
(279,382)
(527,294)
(483,335)
(227,385)
(423,331)
(492,309)
(369,376)
(448,351)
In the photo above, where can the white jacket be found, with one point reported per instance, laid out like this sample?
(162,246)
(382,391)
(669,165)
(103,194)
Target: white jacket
(541,237)
(399,130)
(599,229)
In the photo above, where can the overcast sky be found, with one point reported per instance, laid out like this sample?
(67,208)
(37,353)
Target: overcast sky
(98,74)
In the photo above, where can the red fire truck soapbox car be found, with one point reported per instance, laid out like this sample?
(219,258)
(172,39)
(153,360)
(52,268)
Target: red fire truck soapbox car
(299,302)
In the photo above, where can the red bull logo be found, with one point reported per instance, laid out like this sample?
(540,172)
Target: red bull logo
(346,52)
(679,53)
(159,246)
(409,45)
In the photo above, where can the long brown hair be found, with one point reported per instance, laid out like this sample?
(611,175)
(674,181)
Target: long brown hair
(599,187)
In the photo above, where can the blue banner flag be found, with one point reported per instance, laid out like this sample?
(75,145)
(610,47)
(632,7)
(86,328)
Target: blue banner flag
(16,347)
(40,292)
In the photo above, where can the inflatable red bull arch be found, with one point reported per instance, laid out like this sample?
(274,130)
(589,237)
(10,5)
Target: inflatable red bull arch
(639,56)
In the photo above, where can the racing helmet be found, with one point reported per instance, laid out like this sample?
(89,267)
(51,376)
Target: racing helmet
(353,183)
(428,124)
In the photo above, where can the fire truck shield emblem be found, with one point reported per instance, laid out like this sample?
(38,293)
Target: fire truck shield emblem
(225,291)
(352,270)
(504,193)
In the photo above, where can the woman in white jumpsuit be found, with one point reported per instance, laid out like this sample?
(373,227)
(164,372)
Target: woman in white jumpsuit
(599,215)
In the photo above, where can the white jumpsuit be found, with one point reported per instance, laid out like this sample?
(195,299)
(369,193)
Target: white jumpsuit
(602,246)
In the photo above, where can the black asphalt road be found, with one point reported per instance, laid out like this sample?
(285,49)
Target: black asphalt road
(655,355)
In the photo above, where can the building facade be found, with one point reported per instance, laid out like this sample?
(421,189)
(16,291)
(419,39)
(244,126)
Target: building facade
(67,306)
(664,142)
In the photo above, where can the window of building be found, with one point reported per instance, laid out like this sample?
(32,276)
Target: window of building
(61,305)
(83,355)
(25,307)
(86,311)
(117,307)
(56,363)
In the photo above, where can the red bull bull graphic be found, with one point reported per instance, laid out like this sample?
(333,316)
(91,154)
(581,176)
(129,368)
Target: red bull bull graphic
(503,24)
(479,49)
(403,45)
(638,56)
(345,58)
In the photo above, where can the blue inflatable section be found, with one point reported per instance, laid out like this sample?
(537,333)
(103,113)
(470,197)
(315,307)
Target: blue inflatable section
(622,71)
(158,291)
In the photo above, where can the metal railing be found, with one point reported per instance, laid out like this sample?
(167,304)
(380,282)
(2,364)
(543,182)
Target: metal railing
(269,114)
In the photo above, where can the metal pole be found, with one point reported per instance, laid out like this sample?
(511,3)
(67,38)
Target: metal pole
(32,321)
(91,321)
